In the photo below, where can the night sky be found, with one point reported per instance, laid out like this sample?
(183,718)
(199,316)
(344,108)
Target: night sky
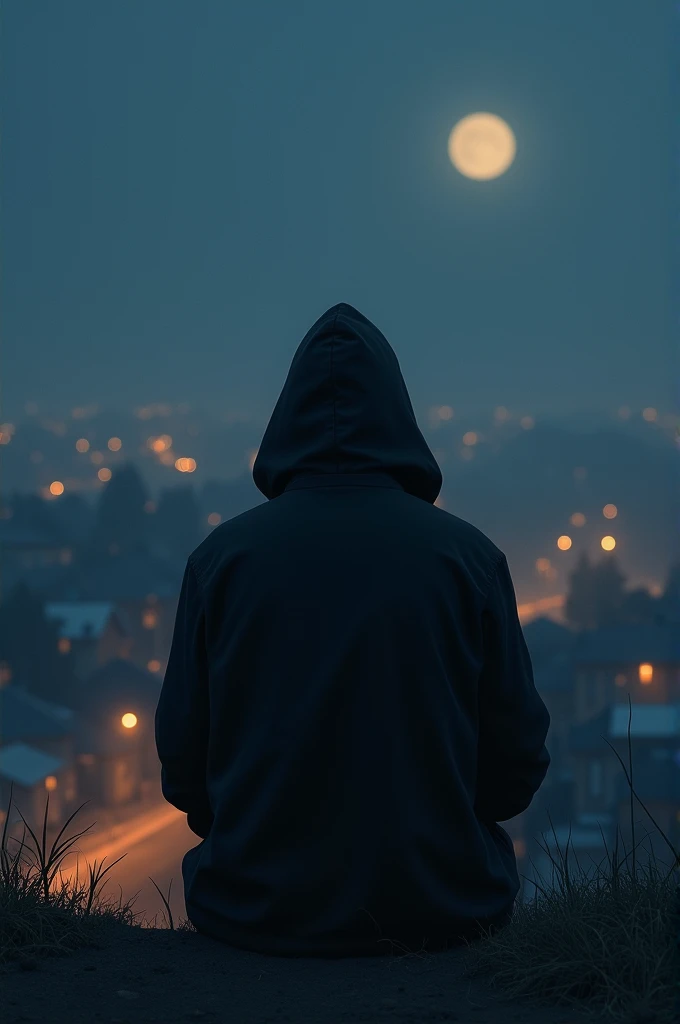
(188,184)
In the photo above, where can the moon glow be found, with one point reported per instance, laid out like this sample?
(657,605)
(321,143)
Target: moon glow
(482,146)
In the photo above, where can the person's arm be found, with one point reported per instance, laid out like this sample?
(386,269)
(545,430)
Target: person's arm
(513,720)
(182,722)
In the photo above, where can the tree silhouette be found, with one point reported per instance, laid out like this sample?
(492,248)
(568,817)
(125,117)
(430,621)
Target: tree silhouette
(177,523)
(29,647)
(596,595)
(121,522)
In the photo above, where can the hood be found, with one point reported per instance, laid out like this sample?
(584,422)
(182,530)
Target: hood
(344,408)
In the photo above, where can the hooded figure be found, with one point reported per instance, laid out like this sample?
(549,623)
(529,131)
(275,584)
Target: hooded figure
(349,706)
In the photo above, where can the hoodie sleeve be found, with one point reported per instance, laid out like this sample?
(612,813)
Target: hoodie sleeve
(182,722)
(513,720)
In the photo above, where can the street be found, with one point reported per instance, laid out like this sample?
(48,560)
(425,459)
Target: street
(153,845)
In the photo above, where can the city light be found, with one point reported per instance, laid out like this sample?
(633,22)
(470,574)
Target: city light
(578,519)
(82,444)
(649,414)
(56,487)
(50,782)
(543,564)
(63,645)
(149,619)
(527,422)
(185,465)
(115,444)
(97,458)
(214,518)
(646,673)
(129,720)
(154,665)
(160,444)
(610,511)
(501,414)
(470,437)
(608,543)
(445,412)
(104,475)
(564,542)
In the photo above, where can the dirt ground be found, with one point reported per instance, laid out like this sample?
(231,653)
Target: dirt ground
(141,974)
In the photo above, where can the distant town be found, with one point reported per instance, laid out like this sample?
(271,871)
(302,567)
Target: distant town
(99,512)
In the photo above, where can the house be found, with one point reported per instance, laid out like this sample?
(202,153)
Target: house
(601,786)
(144,589)
(642,660)
(93,632)
(29,775)
(43,727)
(115,740)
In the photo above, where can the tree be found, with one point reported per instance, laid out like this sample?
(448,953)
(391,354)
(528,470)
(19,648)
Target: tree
(177,521)
(29,647)
(596,595)
(120,521)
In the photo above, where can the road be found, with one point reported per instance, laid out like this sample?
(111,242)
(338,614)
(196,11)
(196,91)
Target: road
(153,845)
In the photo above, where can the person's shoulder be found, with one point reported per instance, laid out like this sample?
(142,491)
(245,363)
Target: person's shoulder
(224,538)
(475,540)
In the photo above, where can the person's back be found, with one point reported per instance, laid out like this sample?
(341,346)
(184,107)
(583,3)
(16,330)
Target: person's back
(349,707)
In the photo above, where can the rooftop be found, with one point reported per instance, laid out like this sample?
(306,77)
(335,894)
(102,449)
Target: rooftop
(80,618)
(24,715)
(618,645)
(26,765)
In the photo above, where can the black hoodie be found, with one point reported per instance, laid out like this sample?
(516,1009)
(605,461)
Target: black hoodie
(349,707)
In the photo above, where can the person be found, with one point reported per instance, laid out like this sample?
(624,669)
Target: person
(349,708)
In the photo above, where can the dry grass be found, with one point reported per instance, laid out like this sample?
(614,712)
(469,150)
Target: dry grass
(42,913)
(607,942)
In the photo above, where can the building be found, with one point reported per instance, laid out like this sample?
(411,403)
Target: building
(641,661)
(29,775)
(143,588)
(586,682)
(601,785)
(37,727)
(115,740)
(93,632)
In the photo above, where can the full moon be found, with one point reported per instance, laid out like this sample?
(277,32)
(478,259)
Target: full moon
(482,146)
